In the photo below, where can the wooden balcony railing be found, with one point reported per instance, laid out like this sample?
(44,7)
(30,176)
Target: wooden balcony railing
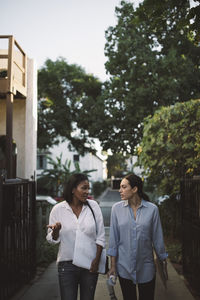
(12,68)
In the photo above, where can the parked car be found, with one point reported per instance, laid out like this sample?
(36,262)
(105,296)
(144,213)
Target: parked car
(59,199)
(48,199)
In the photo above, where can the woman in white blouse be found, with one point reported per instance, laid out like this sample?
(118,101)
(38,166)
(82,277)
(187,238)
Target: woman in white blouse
(64,220)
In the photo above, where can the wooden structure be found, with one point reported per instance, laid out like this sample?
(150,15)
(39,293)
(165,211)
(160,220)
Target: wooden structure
(18,119)
(190,201)
(12,84)
(18,249)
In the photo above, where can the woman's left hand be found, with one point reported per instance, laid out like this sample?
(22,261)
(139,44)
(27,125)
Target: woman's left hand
(94,266)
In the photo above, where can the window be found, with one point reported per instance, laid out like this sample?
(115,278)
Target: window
(41,162)
(76,157)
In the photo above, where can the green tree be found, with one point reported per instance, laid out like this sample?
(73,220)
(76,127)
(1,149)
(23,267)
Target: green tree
(149,63)
(63,90)
(116,165)
(155,12)
(152,60)
(57,175)
(193,21)
(170,147)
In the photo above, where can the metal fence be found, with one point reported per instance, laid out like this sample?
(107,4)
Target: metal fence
(190,198)
(17,235)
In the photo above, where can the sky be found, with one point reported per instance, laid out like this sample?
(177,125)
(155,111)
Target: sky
(73,29)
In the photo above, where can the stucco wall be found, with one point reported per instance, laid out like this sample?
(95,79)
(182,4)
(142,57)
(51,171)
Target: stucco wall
(19,134)
(24,125)
(2,116)
(86,162)
(31,120)
(18,130)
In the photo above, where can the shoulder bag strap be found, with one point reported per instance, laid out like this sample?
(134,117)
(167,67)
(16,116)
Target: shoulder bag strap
(93,214)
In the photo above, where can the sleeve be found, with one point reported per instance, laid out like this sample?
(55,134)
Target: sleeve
(100,237)
(52,220)
(157,236)
(114,235)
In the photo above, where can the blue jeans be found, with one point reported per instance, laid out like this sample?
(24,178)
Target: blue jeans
(71,277)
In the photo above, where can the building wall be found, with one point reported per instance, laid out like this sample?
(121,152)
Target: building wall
(18,130)
(31,121)
(24,125)
(86,162)
(19,134)
(90,162)
(2,116)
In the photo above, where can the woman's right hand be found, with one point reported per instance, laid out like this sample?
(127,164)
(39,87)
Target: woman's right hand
(55,230)
(112,271)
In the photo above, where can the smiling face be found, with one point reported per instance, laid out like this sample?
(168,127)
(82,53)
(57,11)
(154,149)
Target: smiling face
(80,193)
(126,191)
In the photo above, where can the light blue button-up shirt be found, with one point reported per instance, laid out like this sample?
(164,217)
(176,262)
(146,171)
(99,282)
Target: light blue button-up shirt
(132,240)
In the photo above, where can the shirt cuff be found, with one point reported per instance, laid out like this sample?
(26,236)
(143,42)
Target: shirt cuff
(100,243)
(163,256)
(112,252)
(51,240)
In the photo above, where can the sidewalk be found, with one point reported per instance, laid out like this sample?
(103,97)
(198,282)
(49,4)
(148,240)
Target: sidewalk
(46,287)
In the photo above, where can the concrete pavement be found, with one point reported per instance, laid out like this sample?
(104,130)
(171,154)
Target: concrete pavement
(46,287)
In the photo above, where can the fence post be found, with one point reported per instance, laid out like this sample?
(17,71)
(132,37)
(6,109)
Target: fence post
(1,236)
(1,206)
(190,200)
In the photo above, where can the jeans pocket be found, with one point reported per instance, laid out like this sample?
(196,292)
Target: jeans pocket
(64,266)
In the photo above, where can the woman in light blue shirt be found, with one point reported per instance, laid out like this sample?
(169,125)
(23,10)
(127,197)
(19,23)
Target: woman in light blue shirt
(135,231)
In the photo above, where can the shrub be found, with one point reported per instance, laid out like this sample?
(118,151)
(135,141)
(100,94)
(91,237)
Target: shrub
(46,253)
(174,250)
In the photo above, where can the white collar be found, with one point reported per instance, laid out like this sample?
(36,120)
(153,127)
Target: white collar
(143,203)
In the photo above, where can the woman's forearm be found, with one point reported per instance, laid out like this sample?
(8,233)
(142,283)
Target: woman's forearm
(113,261)
(99,251)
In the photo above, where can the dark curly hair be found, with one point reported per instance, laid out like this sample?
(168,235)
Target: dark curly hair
(72,183)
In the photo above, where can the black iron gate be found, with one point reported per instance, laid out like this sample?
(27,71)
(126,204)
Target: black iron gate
(17,235)
(190,197)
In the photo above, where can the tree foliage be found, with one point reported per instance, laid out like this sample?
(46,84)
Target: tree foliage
(152,62)
(116,165)
(64,91)
(193,21)
(170,147)
(152,59)
(180,13)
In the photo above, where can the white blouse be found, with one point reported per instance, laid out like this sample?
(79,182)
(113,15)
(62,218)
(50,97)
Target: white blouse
(62,212)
